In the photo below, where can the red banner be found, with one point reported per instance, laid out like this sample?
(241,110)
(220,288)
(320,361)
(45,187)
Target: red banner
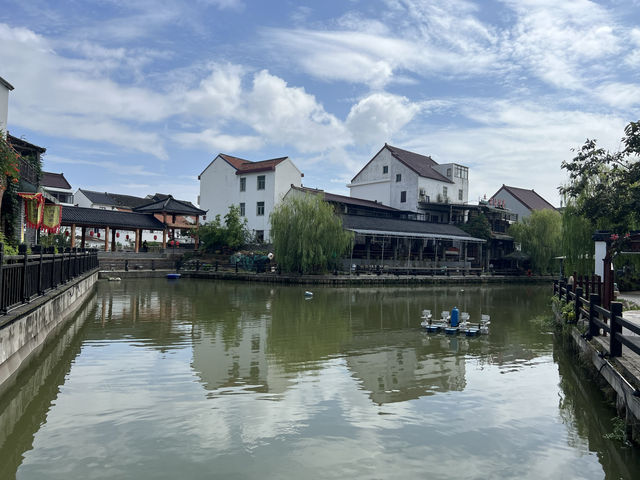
(33,208)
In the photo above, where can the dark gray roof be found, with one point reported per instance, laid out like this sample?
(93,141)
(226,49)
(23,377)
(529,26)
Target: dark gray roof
(102,198)
(95,217)
(421,164)
(335,198)
(529,198)
(390,226)
(128,201)
(54,180)
(6,84)
(171,205)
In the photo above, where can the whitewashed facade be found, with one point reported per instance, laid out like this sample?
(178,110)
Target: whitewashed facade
(255,187)
(410,181)
(5,88)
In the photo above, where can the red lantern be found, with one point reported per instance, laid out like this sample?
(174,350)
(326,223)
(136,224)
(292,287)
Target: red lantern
(117,234)
(155,237)
(66,233)
(171,242)
(127,237)
(91,233)
(177,243)
(98,234)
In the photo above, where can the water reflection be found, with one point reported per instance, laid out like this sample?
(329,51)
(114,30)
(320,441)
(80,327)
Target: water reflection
(186,378)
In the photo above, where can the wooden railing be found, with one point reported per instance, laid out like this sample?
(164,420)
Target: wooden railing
(24,277)
(601,321)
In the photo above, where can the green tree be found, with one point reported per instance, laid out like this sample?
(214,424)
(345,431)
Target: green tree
(307,235)
(233,234)
(540,235)
(478,227)
(604,186)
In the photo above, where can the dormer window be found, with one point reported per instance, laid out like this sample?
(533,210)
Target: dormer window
(449,172)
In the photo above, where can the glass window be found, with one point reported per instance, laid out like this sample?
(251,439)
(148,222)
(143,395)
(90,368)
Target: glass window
(398,177)
(243,184)
(260,209)
(460,194)
(242,211)
(448,172)
(403,196)
(444,192)
(260,182)
(385,169)
(259,236)
(461,172)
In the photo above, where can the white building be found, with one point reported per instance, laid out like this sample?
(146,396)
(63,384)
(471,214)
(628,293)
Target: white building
(255,187)
(521,201)
(409,181)
(5,88)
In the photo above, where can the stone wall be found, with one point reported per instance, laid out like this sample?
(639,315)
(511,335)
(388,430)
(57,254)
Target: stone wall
(25,329)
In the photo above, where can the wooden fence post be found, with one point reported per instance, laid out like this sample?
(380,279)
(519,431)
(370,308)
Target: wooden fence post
(578,304)
(615,345)
(594,300)
(25,260)
(569,289)
(2,309)
(40,289)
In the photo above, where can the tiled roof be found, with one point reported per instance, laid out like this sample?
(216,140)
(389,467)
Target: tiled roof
(421,164)
(403,227)
(127,201)
(163,196)
(54,180)
(529,198)
(247,166)
(22,146)
(102,198)
(332,197)
(172,206)
(94,217)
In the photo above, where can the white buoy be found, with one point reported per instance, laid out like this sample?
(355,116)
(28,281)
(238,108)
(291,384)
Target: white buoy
(308,294)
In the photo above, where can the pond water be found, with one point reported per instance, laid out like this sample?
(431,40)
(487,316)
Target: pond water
(202,379)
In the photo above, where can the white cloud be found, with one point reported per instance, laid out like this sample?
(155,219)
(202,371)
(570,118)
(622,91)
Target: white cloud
(376,118)
(290,116)
(215,141)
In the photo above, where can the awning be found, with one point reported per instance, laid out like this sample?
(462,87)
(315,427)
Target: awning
(435,236)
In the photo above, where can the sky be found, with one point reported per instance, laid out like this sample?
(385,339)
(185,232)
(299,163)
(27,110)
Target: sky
(139,97)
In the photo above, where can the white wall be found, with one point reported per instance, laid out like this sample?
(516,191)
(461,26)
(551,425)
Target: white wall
(220,188)
(371,183)
(512,204)
(408,183)
(4,107)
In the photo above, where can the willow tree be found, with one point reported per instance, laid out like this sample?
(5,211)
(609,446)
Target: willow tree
(307,235)
(578,247)
(540,235)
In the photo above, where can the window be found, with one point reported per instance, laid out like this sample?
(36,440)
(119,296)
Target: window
(259,236)
(460,194)
(449,172)
(260,182)
(403,196)
(461,172)
(242,211)
(385,169)
(243,184)
(444,192)
(398,177)
(260,209)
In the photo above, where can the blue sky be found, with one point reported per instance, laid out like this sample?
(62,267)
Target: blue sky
(138,97)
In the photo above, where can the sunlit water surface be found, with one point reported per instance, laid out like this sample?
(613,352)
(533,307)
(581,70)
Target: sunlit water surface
(197,379)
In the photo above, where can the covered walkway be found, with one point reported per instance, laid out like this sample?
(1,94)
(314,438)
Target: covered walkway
(112,221)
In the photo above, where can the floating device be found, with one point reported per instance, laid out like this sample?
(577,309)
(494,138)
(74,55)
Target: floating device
(308,294)
(114,279)
(173,276)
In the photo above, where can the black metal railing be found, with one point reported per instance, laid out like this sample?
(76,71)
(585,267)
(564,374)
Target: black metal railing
(601,321)
(24,277)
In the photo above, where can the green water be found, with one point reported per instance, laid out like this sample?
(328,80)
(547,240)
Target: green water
(196,380)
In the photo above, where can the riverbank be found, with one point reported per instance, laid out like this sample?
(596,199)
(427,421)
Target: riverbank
(363,279)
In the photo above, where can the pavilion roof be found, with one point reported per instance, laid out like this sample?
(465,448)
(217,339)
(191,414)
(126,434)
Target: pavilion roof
(172,206)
